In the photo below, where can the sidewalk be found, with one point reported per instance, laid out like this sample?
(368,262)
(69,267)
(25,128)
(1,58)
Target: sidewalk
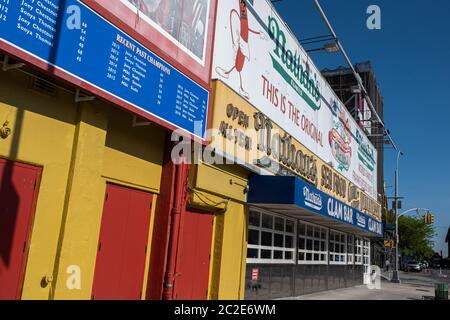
(388,291)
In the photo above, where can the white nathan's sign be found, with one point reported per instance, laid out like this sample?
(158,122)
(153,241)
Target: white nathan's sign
(259,58)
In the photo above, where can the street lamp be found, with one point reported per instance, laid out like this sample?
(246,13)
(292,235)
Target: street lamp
(328,47)
(395,275)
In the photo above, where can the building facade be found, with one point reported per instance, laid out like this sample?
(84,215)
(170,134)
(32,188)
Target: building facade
(112,186)
(312,207)
(90,93)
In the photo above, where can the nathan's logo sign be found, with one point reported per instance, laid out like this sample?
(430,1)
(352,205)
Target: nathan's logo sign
(282,149)
(289,65)
(365,152)
(312,199)
(340,139)
(361,220)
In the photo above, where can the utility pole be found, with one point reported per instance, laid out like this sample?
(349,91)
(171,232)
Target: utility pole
(395,275)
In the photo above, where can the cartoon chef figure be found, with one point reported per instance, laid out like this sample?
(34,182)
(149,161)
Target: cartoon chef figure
(240,32)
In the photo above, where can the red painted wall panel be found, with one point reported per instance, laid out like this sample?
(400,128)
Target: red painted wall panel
(194,256)
(162,224)
(18,192)
(119,269)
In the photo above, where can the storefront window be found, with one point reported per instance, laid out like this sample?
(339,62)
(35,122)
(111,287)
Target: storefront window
(267,221)
(338,246)
(312,242)
(270,238)
(366,254)
(254,219)
(359,250)
(350,249)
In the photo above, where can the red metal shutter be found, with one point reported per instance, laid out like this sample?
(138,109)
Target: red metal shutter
(119,269)
(18,193)
(194,257)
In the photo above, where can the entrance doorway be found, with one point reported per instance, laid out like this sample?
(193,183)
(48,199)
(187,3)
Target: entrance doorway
(191,282)
(18,193)
(122,248)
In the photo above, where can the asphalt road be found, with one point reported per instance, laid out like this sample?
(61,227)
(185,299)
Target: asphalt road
(388,291)
(414,286)
(423,278)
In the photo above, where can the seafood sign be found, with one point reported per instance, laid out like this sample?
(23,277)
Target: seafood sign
(340,139)
(258,57)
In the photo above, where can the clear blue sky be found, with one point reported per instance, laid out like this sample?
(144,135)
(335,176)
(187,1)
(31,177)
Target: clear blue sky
(411,59)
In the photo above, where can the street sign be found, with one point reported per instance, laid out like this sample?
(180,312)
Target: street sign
(255,274)
(389,244)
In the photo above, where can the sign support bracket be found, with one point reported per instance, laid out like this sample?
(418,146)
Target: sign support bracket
(6,66)
(79,97)
(140,124)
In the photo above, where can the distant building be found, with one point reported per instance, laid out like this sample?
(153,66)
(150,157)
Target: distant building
(447,239)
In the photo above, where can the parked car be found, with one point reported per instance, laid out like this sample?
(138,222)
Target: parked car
(413,266)
(445,263)
(435,264)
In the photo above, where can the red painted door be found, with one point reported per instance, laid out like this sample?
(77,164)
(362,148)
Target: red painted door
(194,257)
(18,192)
(119,269)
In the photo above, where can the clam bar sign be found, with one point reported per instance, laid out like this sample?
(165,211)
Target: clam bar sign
(307,197)
(337,210)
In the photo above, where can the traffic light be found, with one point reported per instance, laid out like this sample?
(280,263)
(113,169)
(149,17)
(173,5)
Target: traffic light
(428,218)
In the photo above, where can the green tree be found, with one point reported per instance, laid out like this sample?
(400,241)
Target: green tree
(415,238)
(388,216)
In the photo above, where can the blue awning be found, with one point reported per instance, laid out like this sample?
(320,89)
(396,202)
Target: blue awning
(294,197)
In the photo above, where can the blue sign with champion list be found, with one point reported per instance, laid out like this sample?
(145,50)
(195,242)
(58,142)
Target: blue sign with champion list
(68,35)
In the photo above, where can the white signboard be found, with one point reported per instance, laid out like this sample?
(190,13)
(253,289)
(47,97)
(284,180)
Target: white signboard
(365,115)
(185,22)
(259,58)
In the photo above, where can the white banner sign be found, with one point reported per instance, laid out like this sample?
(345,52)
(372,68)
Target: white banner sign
(258,57)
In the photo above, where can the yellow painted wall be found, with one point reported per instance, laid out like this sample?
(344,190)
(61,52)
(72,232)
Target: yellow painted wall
(42,134)
(84,202)
(81,147)
(234,249)
(220,189)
